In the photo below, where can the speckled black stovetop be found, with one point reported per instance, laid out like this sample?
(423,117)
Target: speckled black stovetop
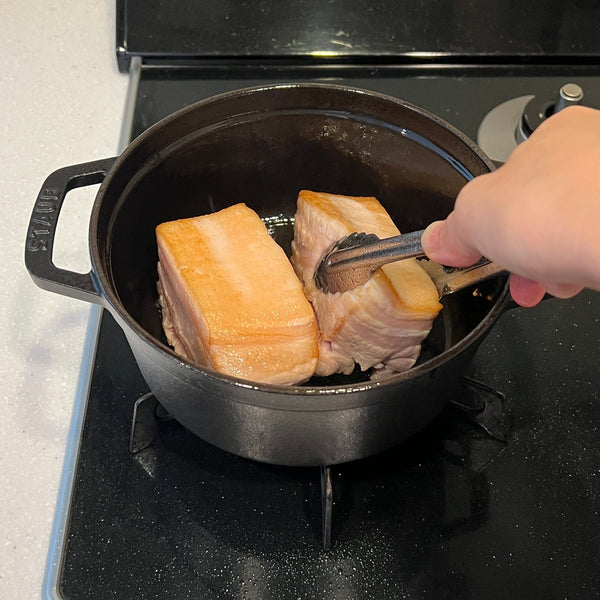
(452,513)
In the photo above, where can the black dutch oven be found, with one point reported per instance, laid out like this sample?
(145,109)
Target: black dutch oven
(261,146)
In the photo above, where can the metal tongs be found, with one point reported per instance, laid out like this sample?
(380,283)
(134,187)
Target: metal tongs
(353,260)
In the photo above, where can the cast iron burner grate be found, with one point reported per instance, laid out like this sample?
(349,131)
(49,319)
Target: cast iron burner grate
(480,404)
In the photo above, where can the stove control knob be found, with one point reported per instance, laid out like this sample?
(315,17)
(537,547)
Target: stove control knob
(568,95)
(538,109)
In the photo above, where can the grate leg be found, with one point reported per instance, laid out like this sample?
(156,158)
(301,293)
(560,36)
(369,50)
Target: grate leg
(147,415)
(326,505)
(485,407)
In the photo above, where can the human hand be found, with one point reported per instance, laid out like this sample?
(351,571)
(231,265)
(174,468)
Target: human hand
(538,215)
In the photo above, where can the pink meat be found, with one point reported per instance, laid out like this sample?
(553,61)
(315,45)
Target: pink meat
(231,300)
(379,325)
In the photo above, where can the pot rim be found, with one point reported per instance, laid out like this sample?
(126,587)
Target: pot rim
(118,309)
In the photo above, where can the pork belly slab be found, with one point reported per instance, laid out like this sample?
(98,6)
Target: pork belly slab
(380,324)
(231,301)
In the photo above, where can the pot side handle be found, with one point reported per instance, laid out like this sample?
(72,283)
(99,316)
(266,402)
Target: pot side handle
(42,230)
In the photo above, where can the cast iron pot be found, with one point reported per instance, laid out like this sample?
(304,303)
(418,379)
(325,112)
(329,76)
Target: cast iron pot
(261,146)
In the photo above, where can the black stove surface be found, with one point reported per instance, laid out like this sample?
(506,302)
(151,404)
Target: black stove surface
(451,513)
(461,95)
(313,31)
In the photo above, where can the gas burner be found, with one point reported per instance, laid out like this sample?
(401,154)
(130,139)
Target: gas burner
(513,121)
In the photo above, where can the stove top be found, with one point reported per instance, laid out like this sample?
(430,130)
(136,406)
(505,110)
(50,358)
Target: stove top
(451,513)
(358,31)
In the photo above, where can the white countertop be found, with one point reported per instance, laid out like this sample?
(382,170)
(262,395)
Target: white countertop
(62,100)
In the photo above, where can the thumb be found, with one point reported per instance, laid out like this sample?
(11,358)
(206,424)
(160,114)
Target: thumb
(443,246)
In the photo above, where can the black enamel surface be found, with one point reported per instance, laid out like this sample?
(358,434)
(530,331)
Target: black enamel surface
(261,146)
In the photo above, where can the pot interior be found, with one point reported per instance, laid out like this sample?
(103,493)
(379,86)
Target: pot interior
(262,148)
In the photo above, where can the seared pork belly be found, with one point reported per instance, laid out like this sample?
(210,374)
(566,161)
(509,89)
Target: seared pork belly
(378,325)
(231,301)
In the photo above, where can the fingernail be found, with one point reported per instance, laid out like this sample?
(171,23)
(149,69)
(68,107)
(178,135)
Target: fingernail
(430,237)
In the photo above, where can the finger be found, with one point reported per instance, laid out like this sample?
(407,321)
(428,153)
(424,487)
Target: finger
(526,292)
(442,246)
(562,290)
